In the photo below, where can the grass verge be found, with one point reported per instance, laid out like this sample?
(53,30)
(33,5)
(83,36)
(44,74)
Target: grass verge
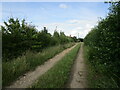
(58,75)
(95,77)
(12,70)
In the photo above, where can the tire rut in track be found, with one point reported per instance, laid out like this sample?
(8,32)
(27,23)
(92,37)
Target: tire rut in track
(78,72)
(30,77)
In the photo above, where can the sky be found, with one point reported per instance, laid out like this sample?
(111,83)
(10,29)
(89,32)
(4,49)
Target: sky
(73,18)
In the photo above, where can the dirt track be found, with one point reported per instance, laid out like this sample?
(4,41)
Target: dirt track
(78,73)
(29,78)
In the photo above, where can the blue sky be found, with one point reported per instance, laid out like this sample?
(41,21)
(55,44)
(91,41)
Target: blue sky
(70,17)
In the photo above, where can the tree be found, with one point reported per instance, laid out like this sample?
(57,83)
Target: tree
(16,37)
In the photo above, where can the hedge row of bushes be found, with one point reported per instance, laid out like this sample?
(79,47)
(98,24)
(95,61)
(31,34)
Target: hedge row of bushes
(19,36)
(104,44)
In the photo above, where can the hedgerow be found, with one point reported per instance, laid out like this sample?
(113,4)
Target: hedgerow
(20,36)
(104,44)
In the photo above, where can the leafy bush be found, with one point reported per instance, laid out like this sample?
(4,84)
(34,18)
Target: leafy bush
(19,36)
(103,42)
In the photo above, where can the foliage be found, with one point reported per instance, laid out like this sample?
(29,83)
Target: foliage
(16,37)
(58,75)
(104,47)
(80,39)
(95,79)
(75,38)
(19,36)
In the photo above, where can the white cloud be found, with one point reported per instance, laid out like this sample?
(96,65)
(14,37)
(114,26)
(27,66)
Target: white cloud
(79,28)
(73,21)
(82,27)
(71,27)
(63,6)
(1,23)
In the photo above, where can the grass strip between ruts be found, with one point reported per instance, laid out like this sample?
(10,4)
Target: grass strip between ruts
(58,75)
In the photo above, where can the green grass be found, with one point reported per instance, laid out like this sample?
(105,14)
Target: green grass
(17,67)
(58,75)
(95,77)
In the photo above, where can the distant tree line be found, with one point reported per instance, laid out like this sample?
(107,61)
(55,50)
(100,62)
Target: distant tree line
(19,36)
(104,44)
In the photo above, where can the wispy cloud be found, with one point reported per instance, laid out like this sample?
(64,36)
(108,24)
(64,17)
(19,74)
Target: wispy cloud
(63,15)
(82,27)
(63,6)
(74,21)
(71,27)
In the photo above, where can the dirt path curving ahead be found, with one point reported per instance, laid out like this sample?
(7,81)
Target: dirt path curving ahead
(78,73)
(29,78)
